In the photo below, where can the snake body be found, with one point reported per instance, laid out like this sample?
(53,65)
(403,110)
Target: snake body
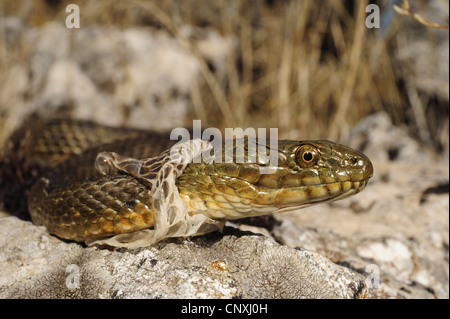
(52,165)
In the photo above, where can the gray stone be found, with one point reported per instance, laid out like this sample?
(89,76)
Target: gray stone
(236,264)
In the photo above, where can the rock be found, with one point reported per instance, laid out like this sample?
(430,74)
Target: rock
(236,264)
(139,77)
(383,141)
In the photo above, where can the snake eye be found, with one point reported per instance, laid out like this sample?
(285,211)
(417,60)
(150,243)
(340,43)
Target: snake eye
(306,156)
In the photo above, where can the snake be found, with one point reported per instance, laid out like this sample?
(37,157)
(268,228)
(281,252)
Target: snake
(87,182)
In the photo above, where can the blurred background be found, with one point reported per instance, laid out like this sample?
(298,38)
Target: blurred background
(310,68)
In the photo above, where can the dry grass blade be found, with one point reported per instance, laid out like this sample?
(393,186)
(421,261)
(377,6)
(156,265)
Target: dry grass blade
(405,11)
(354,60)
(214,86)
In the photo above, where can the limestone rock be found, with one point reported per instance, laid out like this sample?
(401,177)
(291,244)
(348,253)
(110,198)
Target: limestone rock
(236,264)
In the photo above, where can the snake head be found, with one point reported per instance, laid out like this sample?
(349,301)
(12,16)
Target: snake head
(306,173)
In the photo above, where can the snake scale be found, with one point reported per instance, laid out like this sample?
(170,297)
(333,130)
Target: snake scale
(53,170)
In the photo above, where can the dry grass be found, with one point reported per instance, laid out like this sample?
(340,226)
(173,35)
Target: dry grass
(310,68)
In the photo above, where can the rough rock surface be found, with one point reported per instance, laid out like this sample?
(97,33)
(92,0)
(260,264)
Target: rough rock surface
(236,264)
(136,77)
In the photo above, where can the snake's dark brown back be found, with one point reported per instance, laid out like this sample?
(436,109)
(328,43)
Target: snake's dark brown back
(64,149)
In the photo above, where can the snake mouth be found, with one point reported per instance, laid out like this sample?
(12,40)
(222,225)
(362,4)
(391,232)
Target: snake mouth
(314,197)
